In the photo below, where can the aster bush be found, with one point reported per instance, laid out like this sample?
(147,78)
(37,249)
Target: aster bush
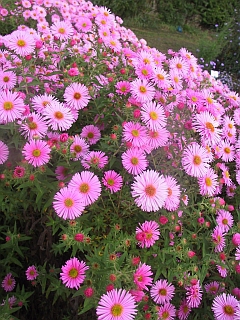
(120,173)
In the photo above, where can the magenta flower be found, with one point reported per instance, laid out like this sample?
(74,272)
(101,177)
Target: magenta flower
(21,42)
(149,233)
(33,126)
(194,295)
(208,183)
(112,181)
(68,203)
(36,152)
(73,273)
(63,30)
(167,312)
(134,161)
(150,190)
(173,199)
(224,220)
(91,133)
(225,307)
(218,238)
(94,159)
(142,90)
(77,96)
(134,133)
(79,148)
(4,152)
(115,305)
(184,310)
(162,292)
(88,185)
(31,273)
(11,106)
(142,277)
(8,282)
(152,114)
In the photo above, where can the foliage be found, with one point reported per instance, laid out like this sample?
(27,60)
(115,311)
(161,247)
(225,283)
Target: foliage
(104,233)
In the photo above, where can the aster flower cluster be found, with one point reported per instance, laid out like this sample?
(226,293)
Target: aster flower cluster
(126,155)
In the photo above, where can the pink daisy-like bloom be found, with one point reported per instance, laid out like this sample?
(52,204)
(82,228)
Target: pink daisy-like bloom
(147,234)
(4,152)
(184,310)
(77,96)
(39,103)
(19,172)
(179,65)
(112,181)
(158,138)
(36,152)
(61,172)
(208,183)
(142,90)
(167,312)
(206,125)
(63,30)
(213,288)
(58,116)
(91,133)
(137,294)
(142,277)
(8,282)
(224,307)
(68,203)
(123,87)
(218,238)
(195,160)
(11,106)
(227,151)
(73,273)
(21,42)
(173,199)
(152,114)
(162,292)
(134,161)
(222,271)
(143,71)
(31,273)
(224,220)
(79,148)
(33,126)
(115,305)
(95,159)
(237,253)
(161,78)
(8,79)
(150,190)
(194,295)
(84,24)
(134,133)
(88,185)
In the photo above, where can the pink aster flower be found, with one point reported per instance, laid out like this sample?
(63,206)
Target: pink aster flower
(152,114)
(91,133)
(194,295)
(11,106)
(222,270)
(224,307)
(123,87)
(8,79)
(167,311)
(115,305)
(31,273)
(134,161)
(208,183)
(218,238)
(224,220)
(40,102)
(19,172)
(77,96)
(94,159)
(112,181)
(73,273)
(134,133)
(173,199)
(61,172)
(161,78)
(184,310)
(142,90)
(21,42)
(195,160)
(58,116)
(137,294)
(162,292)
(33,126)
(36,152)
(227,151)
(149,231)
(84,24)
(4,152)
(142,277)
(88,185)
(68,203)
(79,148)
(8,282)
(158,138)
(63,30)
(150,190)
(213,288)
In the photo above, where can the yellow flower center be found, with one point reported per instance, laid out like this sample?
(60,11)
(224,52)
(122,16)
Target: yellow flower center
(179,65)
(169,192)
(21,43)
(73,273)
(153,115)
(8,105)
(197,160)
(90,135)
(84,188)
(160,77)
(227,150)
(36,153)
(210,126)
(228,310)
(77,96)
(32,125)
(135,133)
(165,315)
(68,202)
(110,182)
(134,161)
(225,221)
(208,182)
(58,115)
(209,100)
(176,79)
(162,292)
(150,190)
(77,148)
(142,89)
(117,310)
(61,30)
(6,79)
